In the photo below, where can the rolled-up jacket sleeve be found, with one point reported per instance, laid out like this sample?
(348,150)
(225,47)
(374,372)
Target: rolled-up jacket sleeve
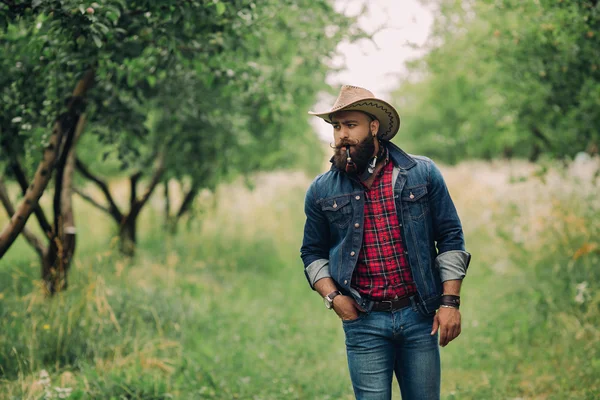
(452,260)
(315,245)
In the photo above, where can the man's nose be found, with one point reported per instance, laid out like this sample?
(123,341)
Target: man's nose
(344,133)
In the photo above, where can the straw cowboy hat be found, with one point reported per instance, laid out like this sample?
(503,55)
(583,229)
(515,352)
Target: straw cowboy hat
(354,98)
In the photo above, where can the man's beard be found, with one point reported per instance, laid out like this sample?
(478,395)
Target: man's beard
(361,153)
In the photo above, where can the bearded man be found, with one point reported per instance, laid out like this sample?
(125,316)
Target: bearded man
(383,245)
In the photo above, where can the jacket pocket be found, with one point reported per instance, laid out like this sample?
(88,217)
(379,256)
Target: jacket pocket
(415,199)
(338,210)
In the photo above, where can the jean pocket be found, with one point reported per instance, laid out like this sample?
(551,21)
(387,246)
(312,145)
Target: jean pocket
(361,315)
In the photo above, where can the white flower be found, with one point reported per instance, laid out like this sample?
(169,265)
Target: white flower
(44,378)
(16,120)
(581,289)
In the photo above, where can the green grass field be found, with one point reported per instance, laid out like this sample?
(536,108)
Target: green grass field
(223,311)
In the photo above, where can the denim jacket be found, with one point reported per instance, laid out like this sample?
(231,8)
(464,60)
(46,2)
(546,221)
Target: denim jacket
(430,226)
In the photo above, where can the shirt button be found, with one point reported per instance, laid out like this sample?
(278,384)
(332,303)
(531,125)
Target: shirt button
(352,254)
(345,282)
(357,197)
(356,225)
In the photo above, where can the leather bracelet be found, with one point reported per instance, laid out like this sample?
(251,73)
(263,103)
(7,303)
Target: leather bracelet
(450,300)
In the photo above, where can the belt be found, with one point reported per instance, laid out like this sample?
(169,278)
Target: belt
(391,305)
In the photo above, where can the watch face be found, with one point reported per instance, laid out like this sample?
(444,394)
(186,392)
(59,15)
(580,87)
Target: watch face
(327,302)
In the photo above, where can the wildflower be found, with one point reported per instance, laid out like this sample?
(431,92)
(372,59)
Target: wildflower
(581,289)
(44,378)
(46,327)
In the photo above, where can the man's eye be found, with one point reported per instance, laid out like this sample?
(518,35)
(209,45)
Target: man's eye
(351,125)
(336,127)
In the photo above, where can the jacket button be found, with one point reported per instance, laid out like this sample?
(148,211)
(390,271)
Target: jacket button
(352,254)
(356,225)
(346,282)
(357,197)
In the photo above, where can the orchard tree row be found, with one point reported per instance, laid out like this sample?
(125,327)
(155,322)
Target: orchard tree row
(506,78)
(197,91)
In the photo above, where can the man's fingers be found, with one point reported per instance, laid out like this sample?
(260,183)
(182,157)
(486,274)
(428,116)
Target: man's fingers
(358,307)
(436,324)
(452,333)
(443,336)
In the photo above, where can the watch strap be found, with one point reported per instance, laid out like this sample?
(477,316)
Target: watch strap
(329,298)
(331,295)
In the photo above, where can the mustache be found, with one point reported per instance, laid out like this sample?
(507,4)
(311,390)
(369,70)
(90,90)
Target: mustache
(344,143)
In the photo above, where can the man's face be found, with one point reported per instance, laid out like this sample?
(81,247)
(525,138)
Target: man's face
(353,130)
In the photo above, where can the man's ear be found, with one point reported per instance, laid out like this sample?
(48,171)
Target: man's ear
(375,127)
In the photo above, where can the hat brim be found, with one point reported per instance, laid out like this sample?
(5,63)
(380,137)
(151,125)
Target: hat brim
(386,114)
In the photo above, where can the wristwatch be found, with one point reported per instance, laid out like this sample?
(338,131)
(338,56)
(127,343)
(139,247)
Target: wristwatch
(329,299)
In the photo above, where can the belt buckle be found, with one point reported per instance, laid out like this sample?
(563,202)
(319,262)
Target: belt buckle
(390,308)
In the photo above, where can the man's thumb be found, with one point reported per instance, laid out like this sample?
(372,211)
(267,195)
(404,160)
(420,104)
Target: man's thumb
(436,325)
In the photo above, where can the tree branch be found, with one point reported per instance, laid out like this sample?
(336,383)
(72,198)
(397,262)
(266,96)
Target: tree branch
(113,208)
(133,180)
(538,134)
(160,168)
(93,202)
(31,238)
(188,199)
(21,177)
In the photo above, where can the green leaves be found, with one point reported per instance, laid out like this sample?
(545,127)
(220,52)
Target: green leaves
(505,78)
(220,8)
(224,84)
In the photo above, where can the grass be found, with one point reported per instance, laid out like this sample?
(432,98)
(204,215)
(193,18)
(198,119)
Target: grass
(223,311)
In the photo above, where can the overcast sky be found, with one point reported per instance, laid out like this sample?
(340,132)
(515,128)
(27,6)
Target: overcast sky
(377,66)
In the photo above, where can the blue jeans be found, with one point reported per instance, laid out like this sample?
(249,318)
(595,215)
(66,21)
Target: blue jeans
(381,343)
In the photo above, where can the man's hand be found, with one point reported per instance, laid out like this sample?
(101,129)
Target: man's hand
(346,307)
(448,322)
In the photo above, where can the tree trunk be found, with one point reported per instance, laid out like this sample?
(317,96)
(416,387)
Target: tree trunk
(44,171)
(188,200)
(21,177)
(127,222)
(167,211)
(31,238)
(58,258)
(34,192)
(128,236)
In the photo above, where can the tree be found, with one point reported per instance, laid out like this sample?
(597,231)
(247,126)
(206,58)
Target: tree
(198,91)
(506,78)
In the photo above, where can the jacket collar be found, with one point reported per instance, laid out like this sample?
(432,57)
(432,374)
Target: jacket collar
(399,157)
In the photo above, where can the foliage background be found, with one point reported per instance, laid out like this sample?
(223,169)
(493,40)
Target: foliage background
(220,308)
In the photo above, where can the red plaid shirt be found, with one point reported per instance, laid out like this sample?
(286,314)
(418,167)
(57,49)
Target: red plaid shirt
(382,271)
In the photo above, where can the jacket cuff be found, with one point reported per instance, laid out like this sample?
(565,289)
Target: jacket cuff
(317,270)
(453,264)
